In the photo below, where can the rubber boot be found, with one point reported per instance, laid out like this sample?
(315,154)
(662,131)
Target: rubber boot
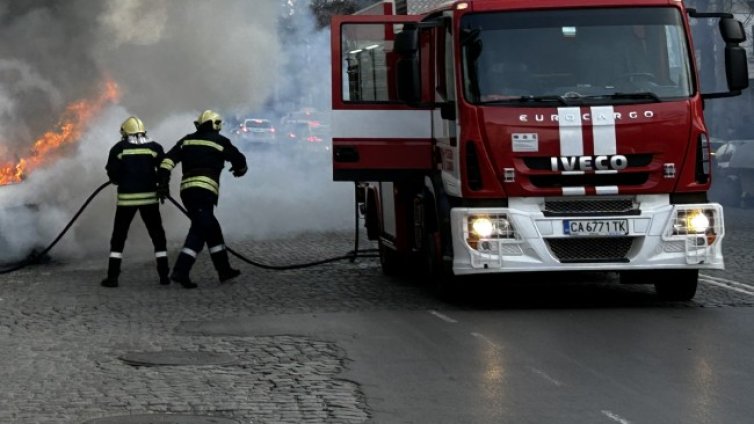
(222,266)
(113,271)
(163,270)
(181,271)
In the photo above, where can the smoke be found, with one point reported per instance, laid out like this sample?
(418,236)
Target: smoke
(171,59)
(170,55)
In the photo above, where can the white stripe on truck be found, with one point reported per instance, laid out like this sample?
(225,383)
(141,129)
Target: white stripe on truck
(402,124)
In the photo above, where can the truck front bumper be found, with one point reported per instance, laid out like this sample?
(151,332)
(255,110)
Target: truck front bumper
(654,236)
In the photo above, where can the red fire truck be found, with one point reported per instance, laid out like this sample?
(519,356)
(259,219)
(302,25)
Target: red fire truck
(500,136)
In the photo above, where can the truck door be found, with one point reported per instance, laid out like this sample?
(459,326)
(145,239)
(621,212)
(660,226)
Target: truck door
(445,126)
(376,137)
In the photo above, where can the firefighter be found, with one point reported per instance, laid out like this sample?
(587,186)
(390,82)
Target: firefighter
(132,166)
(203,155)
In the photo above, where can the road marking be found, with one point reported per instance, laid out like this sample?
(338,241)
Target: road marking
(615,417)
(443,317)
(485,339)
(732,282)
(736,287)
(546,376)
(725,286)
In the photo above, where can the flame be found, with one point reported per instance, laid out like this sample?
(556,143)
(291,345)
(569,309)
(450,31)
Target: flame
(68,130)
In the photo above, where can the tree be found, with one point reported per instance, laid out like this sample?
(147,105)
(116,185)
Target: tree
(324,9)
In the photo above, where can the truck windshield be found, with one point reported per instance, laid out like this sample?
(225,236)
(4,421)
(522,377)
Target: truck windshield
(618,55)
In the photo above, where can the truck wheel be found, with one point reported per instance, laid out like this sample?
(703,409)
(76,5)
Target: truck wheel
(440,279)
(390,260)
(678,284)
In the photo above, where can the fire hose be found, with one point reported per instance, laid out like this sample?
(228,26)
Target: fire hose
(35,257)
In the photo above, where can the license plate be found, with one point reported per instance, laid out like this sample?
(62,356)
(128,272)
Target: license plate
(595,227)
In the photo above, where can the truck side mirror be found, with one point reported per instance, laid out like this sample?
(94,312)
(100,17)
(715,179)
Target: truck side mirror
(407,72)
(448,110)
(732,31)
(736,64)
(406,41)
(736,68)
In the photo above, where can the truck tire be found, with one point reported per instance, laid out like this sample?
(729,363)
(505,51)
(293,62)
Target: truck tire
(437,275)
(390,260)
(677,284)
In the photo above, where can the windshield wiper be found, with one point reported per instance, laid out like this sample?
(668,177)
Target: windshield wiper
(642,95)
(529,99)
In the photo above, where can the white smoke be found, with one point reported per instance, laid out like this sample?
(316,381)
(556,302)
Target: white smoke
(171,59)
(135,22)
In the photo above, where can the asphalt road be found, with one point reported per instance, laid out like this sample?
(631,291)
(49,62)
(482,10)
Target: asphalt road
(656,365)
(342,343)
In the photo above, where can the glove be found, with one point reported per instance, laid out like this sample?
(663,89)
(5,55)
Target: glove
(239,172)
(163,191)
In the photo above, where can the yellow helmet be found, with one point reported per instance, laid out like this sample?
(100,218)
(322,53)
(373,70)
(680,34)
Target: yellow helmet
(132,126)
(212,116)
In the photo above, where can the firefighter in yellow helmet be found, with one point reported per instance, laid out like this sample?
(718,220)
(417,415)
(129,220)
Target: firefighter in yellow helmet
(203,155)
(132,166)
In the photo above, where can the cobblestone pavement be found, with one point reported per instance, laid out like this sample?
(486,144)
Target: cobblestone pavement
(61,334)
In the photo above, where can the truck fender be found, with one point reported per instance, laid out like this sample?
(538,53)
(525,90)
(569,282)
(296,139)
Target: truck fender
(437,202)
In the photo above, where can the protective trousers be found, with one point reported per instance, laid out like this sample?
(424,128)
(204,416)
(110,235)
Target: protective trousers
(150,214)
(204,229)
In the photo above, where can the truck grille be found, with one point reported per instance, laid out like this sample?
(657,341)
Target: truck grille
(609,206)
(558,180)
(636,174)
(595,249)
(543,164)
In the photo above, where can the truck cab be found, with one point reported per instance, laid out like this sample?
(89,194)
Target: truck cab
(506,136)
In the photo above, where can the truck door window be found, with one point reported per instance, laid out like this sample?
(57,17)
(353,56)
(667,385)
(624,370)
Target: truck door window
(450,92)
(445,66)
(510,57)
(369,62)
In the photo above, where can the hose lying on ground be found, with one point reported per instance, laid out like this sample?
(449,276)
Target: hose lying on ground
(35,257)
(352,255)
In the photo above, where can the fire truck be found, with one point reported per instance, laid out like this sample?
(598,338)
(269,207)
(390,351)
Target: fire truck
(519,136)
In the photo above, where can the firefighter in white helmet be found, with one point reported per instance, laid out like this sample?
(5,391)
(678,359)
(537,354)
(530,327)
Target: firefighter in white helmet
(132,166)
(203,155)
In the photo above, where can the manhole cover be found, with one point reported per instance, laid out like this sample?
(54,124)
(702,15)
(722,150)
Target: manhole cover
(177,358)
(162,419)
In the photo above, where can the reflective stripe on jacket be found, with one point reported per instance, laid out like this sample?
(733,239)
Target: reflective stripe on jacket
(202,156)
(133,168)
(137,199)
(200,182)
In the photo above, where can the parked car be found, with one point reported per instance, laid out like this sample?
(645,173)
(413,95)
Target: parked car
(257,131)
(306,114)
(308,135)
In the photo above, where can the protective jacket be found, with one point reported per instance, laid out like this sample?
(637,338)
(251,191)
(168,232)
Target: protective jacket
(203,155)
(133,168)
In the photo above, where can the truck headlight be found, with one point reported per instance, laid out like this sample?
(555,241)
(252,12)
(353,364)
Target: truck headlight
(697,221)
(482,227)
(489,227)
(692,222)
